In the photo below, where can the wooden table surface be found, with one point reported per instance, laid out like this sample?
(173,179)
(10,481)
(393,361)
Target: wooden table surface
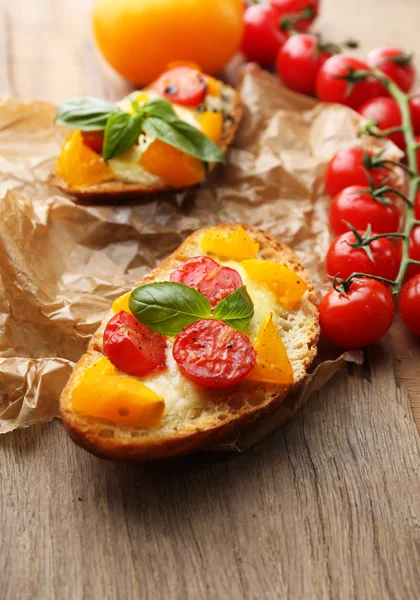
(327,508)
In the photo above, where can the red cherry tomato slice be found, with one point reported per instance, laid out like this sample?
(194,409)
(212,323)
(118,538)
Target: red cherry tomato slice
(208,277)
(359,318)
(292,8)
(262,38)
(182,85)
(346,168)
(386,113)
(396,64)
(299,61)
(343,260)
(131,347)
(331,87)
(409,305)
(94,140)
(212,354)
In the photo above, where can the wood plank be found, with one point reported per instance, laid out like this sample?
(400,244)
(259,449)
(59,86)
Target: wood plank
(323,509)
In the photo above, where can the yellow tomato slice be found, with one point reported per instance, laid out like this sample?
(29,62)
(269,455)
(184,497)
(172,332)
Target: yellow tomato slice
(211,124)
(80,166)
(237,245)
(121,303)
(285,283)
(174,166)
(103,393)
(214,87)
(273,364)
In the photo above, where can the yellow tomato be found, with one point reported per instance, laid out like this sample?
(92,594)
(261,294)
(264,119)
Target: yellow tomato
(103,393)
(80,166)
(285,283)
(174,166)
(237,245)
(273,364)
(139,38)
(121,303)
(211,124)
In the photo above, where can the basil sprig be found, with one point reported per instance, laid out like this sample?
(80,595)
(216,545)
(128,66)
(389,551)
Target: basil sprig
(122,130)
(169,307)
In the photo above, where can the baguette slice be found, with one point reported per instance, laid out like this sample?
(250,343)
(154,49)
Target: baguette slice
(221,413)
(111,191)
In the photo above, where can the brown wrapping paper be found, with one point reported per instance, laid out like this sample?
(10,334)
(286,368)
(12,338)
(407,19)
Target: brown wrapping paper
(62,264)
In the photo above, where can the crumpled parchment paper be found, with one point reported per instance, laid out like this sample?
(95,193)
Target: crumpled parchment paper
(62,263)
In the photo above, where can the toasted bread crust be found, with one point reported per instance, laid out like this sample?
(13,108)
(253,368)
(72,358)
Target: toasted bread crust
(117,443)
(110,191)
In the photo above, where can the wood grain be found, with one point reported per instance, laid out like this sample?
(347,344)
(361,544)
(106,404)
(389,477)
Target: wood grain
(327,508)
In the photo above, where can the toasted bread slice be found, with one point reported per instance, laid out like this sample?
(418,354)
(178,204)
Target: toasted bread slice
(188,425)
(112,190)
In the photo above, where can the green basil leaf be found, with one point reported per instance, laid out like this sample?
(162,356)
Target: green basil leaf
(183,136)
(121,133)
(236,310)
(159,108)
(168,307)
(88,114)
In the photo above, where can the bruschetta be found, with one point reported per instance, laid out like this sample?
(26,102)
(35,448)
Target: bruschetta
(214,338)
(165,137)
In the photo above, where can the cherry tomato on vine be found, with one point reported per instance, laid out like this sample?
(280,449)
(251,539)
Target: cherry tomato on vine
(359,318)
(94,140)
(332,87)
(346,168)
(132,347)
(287,8)
(213,354)
(413,253)
(299,61)
(417,207)
(396,64)
(386,113)
(343,260)
(262,37)
(357,207)
(182,85)
(409,305)
(415,111)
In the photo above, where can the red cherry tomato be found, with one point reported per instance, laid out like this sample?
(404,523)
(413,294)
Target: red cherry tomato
(343,260)
(208,277)
(413,253)
(409,305)
(133,348)
(182,85)
(331,87)
(94,140)
(396,64)
(262,37)
(299,61)
(415,111)
(292,8)
(386,113)
(360,210)
(213,354)
(359,318)
(346,168)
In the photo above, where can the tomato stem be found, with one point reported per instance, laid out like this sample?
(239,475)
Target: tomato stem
(411,170)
